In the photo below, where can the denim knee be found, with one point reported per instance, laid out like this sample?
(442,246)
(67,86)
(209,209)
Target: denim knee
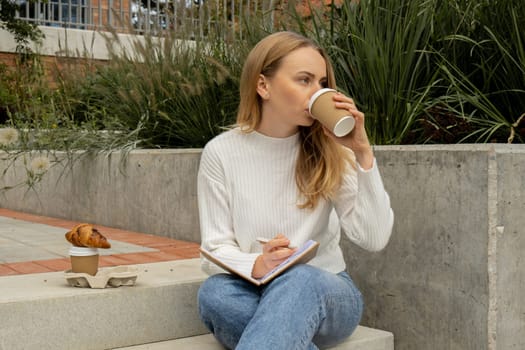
(226,305)
(343,314)
(301,272)
(339,302)
(207,298)
(298,274)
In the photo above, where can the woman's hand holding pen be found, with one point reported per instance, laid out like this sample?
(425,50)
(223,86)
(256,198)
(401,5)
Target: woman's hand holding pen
(275,251)
(357,139)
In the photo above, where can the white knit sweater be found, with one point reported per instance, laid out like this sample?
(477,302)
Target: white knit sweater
(246,189)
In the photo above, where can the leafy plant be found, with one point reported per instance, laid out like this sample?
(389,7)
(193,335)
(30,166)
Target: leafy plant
(486,77)
(422,71)
(174,93)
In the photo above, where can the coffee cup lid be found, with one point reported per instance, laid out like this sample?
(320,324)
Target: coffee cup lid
(316,95)
(83,251)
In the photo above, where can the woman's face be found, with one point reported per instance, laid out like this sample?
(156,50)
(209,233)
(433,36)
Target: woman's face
(287,93)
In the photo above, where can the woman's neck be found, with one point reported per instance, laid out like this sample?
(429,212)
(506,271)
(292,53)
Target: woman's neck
(274,127)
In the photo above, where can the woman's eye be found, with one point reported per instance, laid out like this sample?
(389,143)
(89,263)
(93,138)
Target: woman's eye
(305,80)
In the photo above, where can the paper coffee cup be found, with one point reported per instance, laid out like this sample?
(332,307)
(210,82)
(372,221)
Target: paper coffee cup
(322,107)
(84,260)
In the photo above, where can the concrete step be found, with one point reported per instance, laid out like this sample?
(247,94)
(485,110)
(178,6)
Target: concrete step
(364,338)
(43,312)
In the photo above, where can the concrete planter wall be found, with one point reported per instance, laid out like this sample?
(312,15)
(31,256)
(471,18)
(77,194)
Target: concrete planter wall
(150,191)
(452,276)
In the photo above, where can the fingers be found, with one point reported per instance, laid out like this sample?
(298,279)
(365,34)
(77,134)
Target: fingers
(279,241)
(281,253)
(339,97)
(274,258)
(348,103)
(277,250)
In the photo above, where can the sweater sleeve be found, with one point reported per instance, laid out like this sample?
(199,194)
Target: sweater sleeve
(215,217)
(363,207)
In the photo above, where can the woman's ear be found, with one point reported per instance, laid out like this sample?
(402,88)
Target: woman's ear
(262,87)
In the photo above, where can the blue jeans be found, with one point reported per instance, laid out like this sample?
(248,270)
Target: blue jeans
(305,308)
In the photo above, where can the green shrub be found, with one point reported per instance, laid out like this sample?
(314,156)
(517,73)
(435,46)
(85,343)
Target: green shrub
(169,92)
(483,68)
(423,71)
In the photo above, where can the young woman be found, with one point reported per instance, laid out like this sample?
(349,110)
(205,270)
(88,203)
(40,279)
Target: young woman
(280,175)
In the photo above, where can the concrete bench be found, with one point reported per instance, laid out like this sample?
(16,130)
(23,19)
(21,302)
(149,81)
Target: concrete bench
(41,312)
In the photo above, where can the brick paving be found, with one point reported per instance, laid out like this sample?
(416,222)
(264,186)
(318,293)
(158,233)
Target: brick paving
(162,248)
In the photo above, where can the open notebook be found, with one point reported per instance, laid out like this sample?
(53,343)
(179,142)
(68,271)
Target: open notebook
(303,254)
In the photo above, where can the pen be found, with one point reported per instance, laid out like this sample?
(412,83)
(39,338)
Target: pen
(263,240)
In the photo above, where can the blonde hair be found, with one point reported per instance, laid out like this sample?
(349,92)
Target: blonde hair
(321,162)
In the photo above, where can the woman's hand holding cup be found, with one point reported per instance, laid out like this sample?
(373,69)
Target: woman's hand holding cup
(334,114)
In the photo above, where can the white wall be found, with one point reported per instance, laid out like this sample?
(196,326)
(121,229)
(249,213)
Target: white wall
(73,43)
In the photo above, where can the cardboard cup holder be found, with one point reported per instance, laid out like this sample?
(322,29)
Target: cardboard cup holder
(106,277)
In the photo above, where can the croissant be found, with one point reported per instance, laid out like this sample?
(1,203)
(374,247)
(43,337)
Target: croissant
(85,235)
